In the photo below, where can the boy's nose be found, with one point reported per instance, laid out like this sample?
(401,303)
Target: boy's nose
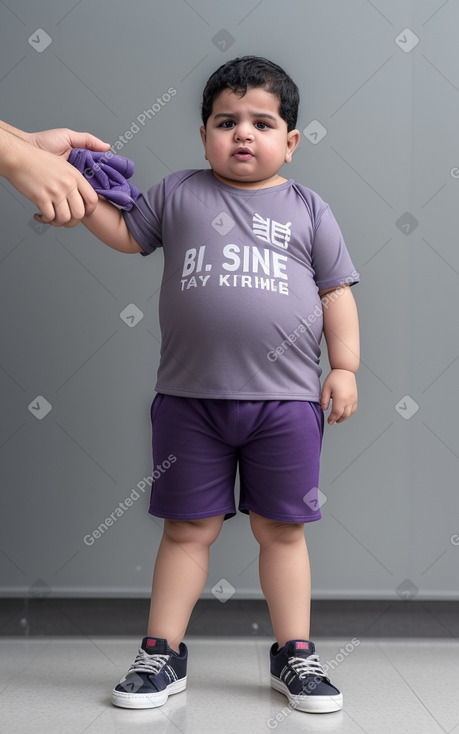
(243,132)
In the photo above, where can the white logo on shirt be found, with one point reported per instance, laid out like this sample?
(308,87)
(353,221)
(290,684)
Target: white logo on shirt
(271,231)
(246,266)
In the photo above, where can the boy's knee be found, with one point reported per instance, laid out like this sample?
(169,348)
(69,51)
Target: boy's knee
(203,531)
(267,531)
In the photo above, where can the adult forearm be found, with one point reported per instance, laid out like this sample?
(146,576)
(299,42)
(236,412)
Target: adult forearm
(341,329)
(11,151)
(5,128)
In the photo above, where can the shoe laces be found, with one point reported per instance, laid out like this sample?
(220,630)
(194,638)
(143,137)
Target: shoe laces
(307,666)
(150,664)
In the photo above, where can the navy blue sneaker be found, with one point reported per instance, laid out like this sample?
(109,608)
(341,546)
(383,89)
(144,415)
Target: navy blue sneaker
(297,673)
(156,672)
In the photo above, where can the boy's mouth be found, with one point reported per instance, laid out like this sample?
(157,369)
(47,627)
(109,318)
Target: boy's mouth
(243,154)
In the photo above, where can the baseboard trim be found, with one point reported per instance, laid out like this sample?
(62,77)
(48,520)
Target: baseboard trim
(53,617)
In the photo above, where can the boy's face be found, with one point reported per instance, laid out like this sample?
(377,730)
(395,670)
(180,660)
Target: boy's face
(245,139)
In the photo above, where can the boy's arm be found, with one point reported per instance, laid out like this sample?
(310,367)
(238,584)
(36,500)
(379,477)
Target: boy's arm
(341,331)
(108,225)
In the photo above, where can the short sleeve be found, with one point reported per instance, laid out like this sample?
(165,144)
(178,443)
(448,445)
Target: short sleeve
(144,220)
(330,259)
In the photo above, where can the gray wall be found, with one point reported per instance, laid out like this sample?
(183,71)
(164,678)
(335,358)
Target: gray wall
(388,165)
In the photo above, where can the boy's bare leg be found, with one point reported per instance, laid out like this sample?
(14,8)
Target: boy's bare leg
(285,576)
(180,574)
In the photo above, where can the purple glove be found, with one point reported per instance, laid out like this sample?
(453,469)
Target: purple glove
(107,174)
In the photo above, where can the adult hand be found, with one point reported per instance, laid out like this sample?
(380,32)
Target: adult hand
(61,140)
(42,174)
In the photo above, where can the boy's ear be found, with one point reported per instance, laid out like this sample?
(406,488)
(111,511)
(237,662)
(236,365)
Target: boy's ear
(293,138)
(202,130)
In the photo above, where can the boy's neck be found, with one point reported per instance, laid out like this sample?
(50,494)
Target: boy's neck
(275,180)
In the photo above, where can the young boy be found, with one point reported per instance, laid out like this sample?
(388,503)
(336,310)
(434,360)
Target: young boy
(249,260)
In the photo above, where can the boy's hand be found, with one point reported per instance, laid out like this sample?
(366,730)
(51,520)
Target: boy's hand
(341,387)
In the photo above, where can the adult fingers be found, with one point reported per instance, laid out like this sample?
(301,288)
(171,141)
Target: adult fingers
(58,218)
(77,208)
(87,195)
(63,214)
(70,209)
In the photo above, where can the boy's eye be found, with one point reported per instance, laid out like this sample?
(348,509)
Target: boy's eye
(229,124)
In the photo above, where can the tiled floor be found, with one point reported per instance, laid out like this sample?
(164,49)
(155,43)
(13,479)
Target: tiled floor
(63,685)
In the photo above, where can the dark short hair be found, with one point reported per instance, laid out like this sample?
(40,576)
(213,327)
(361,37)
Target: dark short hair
(253,71)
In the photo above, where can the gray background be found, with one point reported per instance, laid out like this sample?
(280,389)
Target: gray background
(389,167)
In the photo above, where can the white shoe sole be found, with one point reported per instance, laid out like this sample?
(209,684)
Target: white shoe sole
(309,704)
(147,700)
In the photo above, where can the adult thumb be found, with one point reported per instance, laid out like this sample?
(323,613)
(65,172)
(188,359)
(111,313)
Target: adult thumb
(88,141)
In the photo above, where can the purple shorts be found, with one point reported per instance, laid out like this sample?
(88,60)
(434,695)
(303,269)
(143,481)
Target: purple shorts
(198,445)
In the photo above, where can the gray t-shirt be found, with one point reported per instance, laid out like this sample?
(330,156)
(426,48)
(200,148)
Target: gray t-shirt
(239,308)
